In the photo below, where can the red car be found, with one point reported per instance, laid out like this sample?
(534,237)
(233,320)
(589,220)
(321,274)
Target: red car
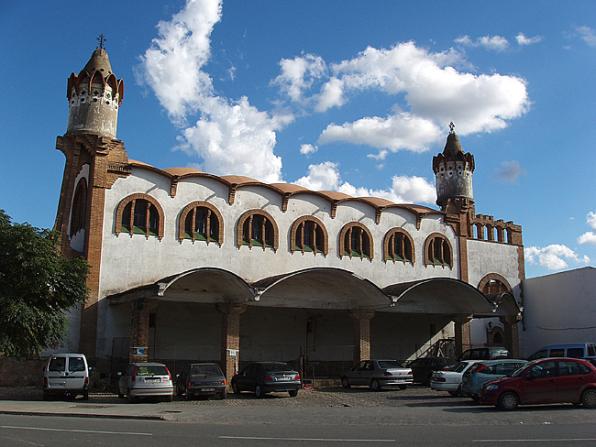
(544,381)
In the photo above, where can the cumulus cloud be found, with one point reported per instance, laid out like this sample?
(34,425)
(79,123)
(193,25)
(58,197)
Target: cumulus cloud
(306,149)
(587,34)
(298,75)
(524,40)
(326,177)
(589,237)
(494,43)
(230,136)
(509,171)
(554,256)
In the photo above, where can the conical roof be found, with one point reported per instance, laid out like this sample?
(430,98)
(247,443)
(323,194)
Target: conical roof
(99,61)
(452,146)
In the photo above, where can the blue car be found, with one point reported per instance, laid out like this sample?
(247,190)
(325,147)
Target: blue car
(486,371)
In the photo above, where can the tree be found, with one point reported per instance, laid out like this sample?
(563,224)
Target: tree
(38,285)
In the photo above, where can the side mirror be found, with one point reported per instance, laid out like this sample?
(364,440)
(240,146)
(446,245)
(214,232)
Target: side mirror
(177,376)
(90,368)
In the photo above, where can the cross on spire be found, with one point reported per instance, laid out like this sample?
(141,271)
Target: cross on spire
(451,127)
(101,39)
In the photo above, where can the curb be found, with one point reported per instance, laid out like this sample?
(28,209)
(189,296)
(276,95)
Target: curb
(85,415)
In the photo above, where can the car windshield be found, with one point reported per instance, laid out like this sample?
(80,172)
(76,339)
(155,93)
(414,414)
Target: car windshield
(151,370)
(387,364)
(460,367)
(273,367)
(518,372)
(205,370)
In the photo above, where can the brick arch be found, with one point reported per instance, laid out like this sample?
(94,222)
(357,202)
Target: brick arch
(342,236)
(256,212)
(493,277)
(293,246)
(200,204)
(393,231)
(427,243)
(140,196)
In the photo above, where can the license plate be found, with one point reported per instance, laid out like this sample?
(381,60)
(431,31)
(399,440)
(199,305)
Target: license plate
(207,389)
(153,380)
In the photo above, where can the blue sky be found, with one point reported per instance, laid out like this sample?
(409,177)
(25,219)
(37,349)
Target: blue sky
(346,95)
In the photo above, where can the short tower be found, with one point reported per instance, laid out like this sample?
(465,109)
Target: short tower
(94,96)
(453,171)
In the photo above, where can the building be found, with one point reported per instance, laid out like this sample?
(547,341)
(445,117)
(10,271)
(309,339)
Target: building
(186,265)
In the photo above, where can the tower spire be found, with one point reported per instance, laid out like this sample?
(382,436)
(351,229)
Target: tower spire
(101,39)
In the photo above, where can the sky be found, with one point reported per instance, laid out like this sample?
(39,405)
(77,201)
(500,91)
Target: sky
(333,95)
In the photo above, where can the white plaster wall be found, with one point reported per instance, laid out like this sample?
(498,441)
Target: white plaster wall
(559,308)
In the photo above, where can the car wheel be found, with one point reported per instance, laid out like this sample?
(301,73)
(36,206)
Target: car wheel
(293,393)
(131,399)
(345,383)
(235,388)
(259,392)
(86,395)
(375,385)
(402,387)
(508,401)
(589,398)
(169,398)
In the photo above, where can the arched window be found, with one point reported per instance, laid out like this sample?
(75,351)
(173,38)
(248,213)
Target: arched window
(79,208)
(256,228)
(308,234)
(201,221)
(494,284)
(398,246)
(140,214)
(355,241)
(437,251)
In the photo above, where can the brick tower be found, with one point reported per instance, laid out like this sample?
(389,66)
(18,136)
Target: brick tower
(94,160)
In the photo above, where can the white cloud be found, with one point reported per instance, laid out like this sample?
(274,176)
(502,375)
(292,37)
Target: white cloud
(589,237)
(326,177)
(524,40)
(494,43)
(553,257)
(298,75)
(332,95)
(509,171)
(587,34)
(306,149)
(230,136)
(401,131)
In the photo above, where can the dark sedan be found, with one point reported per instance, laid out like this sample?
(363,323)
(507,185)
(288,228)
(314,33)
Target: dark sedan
(267,377)
(201,380)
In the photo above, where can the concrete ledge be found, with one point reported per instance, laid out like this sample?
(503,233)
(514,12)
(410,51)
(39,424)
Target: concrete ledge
(87,415)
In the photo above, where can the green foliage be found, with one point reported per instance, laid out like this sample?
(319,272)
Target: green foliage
(37,287)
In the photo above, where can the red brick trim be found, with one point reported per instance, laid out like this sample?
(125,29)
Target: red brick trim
(293,229)
(342,235)
(266,215)
(198,204)
(386,239)
(427,242)
(493,276)
(140,196)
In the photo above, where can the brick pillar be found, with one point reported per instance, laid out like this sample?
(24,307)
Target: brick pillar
(230,340)
(362,333)
(511,335)
(462,335)
(139,329)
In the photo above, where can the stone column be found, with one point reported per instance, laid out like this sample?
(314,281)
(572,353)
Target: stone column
(230,339)
(462,334)
(511,335)
(362,333)
(139,329)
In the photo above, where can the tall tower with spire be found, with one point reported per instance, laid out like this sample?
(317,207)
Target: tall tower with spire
(453,170)
(94,96)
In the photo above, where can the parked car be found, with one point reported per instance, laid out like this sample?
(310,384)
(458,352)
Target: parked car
(489,353)
(201,379)
(145,379)
(486,371)
(267,377)
(451,380)
(586,351)
(544,381)
(377,374)
(66,375)
(423,367)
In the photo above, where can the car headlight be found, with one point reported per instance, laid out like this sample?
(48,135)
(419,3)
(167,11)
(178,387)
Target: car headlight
(491,387)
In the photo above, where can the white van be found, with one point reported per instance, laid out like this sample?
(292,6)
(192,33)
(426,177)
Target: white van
(66,375)
(586,351)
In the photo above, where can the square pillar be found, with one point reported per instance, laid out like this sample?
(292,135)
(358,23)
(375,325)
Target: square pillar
(139,329)
(462,335)
(362,333)
(230,349)
(511,335)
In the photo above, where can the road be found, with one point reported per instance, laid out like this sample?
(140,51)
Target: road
(40,431)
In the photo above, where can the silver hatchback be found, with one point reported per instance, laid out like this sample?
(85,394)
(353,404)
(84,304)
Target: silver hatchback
(377,374)
(146,380)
